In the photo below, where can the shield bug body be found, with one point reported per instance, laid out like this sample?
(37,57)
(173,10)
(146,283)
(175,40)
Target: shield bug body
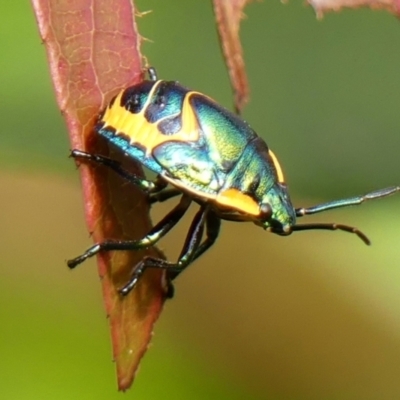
(206,154)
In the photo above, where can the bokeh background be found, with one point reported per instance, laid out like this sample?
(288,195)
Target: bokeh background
(313,316)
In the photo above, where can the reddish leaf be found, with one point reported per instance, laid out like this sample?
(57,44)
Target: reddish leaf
(93,51)
(228,14)
(323,6)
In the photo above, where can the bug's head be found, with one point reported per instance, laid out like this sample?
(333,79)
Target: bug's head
(277,212)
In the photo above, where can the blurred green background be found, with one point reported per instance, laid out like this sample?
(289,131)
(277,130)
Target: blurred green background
(313,316)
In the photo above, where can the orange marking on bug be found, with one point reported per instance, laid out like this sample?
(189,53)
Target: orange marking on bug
(231,198)
(234,198)
(140,131)
(281,178)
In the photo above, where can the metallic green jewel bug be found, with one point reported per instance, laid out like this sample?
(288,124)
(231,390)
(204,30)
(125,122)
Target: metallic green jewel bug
(207,155)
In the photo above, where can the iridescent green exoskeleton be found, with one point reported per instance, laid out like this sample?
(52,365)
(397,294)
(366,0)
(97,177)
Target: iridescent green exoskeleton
(207,155)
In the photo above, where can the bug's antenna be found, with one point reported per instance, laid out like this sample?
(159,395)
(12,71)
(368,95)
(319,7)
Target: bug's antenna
(333,227)
(352,201)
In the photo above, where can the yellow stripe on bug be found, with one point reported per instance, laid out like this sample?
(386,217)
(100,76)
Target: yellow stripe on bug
(140,131)
(279,172)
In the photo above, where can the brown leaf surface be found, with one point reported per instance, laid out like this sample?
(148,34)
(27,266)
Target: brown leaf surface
(228,14)
(93,51)
(323,6)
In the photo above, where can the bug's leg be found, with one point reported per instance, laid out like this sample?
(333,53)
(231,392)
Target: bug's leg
(144,184)
(352,201)
(333,227)
(187,255)
(151,71)
(213,225)
(155,234)
(164,195)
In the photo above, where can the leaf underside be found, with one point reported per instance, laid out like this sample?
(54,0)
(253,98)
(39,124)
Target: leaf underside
(93,51)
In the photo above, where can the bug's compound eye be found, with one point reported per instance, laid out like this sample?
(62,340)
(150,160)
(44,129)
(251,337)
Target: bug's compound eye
(265,211)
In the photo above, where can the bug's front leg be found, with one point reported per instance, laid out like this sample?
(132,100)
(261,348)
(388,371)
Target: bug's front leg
(144,184)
